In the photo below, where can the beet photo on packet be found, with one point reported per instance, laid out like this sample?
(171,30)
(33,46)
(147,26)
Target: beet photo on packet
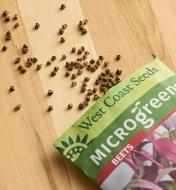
(127,139)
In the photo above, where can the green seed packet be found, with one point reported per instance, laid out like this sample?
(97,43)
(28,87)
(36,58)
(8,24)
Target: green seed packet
(127,139)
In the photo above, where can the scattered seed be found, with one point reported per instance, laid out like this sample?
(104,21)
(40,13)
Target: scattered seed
(81,26)
(70,68)
(7,19)
(53,73)
(48,63)
(84,84)
(79,59)
(97,82)
(86,52)
(73,76)
(23,70)
(80,51)
(37,26)
(83,89)
(63,57)
(64,26)
(95,97)
(4,48)
(8,36)
(67,74)
(84,31)
(101,58)
(19,67)
(80,71)
(94,90)
(50,92)
(17,107)
(34,60)
(16,25)
(29,62)
(83,48)
(62,40)
(86,79)
(86,103)
(25,49)
(84,57)
(56,68)
(5,13)
(53,58)
(61,31)
(62,7)
(17,60)
(69,106)
(117,79)
(89,92)
(50,108)
(92,69)
(38,67)
(87,98)
(73,50)
(85,64)
(81,106)
(118,72)
(12,88)
(154,56)
(118,57)
(92,61)
(73,84)
(106,64)
(15,17)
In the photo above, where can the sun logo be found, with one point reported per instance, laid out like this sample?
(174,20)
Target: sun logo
(72,149)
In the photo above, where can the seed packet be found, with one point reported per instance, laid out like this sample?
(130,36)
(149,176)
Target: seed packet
(127,139)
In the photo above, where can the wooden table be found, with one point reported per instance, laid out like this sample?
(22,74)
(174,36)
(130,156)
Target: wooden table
(136,29)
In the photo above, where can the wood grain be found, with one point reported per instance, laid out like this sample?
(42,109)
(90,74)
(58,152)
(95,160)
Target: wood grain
(135,29)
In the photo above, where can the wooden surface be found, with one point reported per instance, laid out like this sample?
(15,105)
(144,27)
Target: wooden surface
(136,29)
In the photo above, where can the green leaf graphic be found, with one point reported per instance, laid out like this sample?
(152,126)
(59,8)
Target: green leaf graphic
(78,139)
(64,144)
(61,149)
(84,140)
(70,140)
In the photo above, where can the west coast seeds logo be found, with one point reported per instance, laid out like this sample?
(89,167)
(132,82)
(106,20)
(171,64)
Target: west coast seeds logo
(72,148)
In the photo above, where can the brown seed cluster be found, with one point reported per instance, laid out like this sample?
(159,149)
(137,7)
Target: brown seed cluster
(82,26)
(6,16)
(30,61)
(5,13)
(82,63)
